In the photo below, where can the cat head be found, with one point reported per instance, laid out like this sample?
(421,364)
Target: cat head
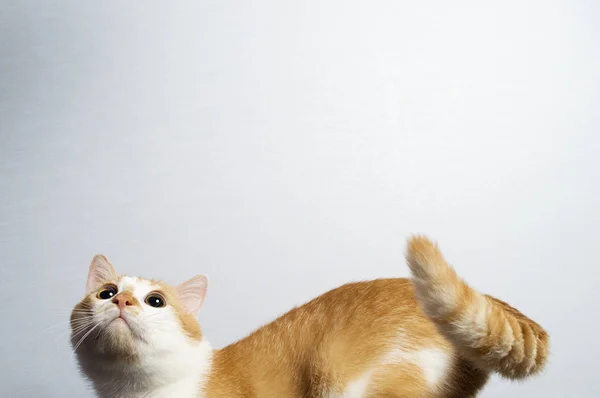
(125,319)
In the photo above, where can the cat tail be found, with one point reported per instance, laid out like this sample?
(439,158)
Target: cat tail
(485,330)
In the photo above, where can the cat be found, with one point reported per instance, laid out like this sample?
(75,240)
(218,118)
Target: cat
(431,336)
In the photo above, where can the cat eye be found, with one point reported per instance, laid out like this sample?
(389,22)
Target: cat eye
(107,292)
(155,300)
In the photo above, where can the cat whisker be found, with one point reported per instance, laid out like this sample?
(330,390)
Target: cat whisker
(74,323)
(84,337)
(55,326)
(76,331)
(82,325)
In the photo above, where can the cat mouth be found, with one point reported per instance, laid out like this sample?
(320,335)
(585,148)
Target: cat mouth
(119,321)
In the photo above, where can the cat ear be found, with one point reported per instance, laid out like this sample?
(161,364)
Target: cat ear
(192,293)
(101,271)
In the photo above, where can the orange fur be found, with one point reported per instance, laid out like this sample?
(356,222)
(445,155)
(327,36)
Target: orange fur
(429,337)
(488,331)
(334,339)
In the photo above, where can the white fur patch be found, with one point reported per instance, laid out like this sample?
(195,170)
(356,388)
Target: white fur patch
(434,364)
(189,386)
(358,388)
(139,287)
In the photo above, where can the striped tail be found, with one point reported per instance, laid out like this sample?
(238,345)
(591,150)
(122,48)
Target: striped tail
(489,332)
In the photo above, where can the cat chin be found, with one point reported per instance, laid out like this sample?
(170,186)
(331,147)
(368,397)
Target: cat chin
(117,340)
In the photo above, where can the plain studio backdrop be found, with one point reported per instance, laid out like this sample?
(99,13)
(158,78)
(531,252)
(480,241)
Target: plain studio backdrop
(285,148)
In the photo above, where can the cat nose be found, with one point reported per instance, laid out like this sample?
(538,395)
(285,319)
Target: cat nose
(123,299)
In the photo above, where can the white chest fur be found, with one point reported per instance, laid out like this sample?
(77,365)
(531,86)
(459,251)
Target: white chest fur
(180,375)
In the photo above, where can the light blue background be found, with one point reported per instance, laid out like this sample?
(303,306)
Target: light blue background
(284,148)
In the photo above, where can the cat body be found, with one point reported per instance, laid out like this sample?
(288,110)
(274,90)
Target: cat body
(431,336)
(366,339)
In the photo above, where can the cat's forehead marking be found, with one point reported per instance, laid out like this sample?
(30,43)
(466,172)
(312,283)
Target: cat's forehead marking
(138,286)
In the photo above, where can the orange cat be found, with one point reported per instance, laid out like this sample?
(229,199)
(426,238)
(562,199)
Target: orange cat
(432,336)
